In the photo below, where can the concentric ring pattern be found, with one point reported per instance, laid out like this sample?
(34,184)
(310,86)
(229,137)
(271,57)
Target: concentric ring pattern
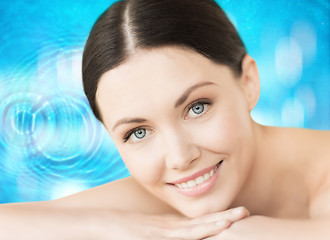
(54,137)
(50,143)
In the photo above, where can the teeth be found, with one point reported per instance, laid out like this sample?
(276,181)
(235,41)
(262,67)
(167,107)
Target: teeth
(191,183)
(206,176)
(198,180)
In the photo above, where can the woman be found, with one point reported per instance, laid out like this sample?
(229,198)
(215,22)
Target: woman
(173,85)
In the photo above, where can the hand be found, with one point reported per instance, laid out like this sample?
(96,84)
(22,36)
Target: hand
(138,226)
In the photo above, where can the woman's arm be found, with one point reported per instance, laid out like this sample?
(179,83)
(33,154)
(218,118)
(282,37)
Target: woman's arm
(98,213)
(260,228)
(43,221)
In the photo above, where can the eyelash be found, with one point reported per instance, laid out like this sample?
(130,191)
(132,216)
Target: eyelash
(189,107)
(130,132)
(202,101)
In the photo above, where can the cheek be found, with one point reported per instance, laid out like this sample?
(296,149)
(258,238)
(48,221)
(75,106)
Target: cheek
(144,164)
(226,131)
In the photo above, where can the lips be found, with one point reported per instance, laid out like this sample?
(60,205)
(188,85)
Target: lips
(198,183)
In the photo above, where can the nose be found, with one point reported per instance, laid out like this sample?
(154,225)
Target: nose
(179,149)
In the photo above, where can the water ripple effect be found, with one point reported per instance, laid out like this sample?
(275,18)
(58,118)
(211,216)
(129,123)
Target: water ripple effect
(53,137)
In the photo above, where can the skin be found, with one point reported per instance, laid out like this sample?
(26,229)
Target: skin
(178,142)
(281,175)
(257,159)
(274,172)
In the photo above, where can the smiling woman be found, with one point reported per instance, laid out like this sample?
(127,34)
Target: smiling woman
(173,141)
(172,83)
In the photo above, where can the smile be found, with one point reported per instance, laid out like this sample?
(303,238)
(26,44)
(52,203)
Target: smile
(198,183)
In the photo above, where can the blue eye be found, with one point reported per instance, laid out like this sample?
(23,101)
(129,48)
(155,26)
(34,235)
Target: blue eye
(136,134)
(140,133)
(198,108)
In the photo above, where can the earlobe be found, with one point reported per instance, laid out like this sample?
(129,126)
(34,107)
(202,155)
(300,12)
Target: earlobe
(250,81)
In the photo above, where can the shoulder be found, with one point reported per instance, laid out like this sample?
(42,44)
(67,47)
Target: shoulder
(124,194)
(315,139)
(308,152)
(303,146)
(306,142)
(315,145)
(306,135)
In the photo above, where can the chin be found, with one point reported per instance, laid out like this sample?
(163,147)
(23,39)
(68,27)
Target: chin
(195,213)
(198,209)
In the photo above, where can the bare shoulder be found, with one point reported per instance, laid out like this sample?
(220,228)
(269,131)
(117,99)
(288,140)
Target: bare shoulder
(318,140)
(307,142)
(307,146)
(124,194)
(315,139)
(315,145)
(309,151)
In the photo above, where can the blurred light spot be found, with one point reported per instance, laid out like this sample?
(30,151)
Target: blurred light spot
(288,61)
(68,188)
(63,68)
(304,34)
(68,67)
(293,113)
(307,96)
(76,69)
(265,117)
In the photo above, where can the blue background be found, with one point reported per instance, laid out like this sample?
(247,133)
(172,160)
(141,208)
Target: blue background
(50,143)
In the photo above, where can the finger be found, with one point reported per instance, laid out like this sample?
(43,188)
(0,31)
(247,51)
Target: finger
(166,221)
(197,231)
(231,215)
(212,238)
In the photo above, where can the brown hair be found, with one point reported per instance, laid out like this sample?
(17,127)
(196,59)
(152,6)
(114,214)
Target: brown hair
(199,25)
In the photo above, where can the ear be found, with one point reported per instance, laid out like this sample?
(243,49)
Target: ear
(250,81)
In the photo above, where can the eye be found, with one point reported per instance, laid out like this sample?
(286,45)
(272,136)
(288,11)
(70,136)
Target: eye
(197,109)
(140,133)
(136,134)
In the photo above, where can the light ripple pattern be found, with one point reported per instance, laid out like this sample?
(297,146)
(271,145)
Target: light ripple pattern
(54,137)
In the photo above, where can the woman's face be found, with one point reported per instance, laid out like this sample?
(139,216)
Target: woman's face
(182,125)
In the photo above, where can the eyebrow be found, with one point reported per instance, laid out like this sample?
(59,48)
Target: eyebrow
(129,120)
(186,94)
(179,102)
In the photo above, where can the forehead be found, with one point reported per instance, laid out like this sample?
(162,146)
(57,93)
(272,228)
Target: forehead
(149,66)
(154,76)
